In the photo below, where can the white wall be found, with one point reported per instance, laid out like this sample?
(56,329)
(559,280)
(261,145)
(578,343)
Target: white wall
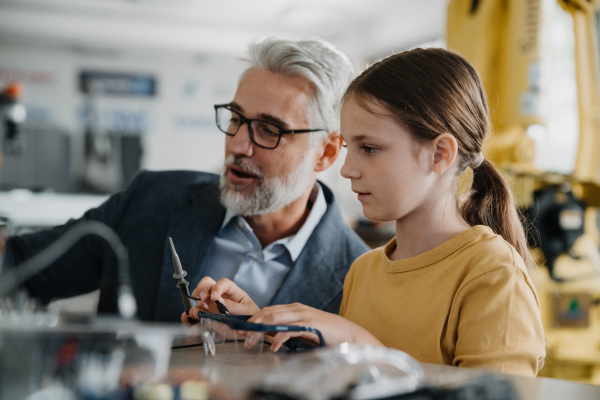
(177,124)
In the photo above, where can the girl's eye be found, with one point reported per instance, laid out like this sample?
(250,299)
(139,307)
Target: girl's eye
(368,149)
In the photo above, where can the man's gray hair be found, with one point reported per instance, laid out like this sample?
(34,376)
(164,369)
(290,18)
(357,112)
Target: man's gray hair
(319,62)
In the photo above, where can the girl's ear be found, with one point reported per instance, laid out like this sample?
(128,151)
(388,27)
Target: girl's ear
(445,149)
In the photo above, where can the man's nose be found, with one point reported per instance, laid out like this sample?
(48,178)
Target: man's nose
(240,143)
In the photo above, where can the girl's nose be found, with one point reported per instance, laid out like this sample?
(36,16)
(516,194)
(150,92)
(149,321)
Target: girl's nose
(348,170)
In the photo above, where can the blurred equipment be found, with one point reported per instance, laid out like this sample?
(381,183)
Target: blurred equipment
(116,295)
(110,158)
(35,157)
(112,150)
(44,355)
(102,154)
(13,114)
(106,359)
(375,234)
(100,161)
(503,40)
(27,211)
(558,216)
(346,371)
(351,371)
(45,162)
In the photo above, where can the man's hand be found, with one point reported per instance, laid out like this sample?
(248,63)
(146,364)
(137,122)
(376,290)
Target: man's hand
(209,292)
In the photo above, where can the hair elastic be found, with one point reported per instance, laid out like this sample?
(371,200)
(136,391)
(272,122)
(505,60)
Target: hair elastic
(477,161)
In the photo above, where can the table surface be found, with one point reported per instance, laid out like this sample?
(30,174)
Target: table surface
(239,371)
(233,370)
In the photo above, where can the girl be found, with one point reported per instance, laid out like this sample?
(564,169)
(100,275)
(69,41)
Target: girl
(453,286)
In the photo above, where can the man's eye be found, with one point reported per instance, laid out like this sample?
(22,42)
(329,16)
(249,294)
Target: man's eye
(266,129)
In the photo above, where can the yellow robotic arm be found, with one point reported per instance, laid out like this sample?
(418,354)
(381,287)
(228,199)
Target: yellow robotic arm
(585,15)
(502,39)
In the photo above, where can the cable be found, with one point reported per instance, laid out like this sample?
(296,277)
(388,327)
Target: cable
(13,278)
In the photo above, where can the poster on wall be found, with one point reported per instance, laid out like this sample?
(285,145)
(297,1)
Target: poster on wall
(117,84)
(118,102)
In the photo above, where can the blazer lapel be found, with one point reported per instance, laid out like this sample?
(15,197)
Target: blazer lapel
(313,278)
(307,280)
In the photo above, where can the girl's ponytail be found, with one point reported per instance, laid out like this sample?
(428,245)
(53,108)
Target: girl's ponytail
(490,202)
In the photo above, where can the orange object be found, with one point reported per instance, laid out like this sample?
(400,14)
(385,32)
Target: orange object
(13,90)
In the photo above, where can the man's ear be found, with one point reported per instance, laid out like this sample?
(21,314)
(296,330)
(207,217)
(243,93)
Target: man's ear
(445,150)
(328,151)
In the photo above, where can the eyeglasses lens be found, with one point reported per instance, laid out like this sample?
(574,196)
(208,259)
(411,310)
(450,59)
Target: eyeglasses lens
(264,133)
(228,121)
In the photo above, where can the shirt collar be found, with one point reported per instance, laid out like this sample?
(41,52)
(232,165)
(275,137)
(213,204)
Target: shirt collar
(229,214)
(294,243)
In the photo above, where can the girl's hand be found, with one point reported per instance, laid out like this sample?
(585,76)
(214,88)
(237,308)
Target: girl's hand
(335,329)
(225,291)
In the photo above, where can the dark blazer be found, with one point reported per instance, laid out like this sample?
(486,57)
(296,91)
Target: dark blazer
(183,205)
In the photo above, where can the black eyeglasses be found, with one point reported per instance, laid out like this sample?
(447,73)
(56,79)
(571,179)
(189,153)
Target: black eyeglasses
(263,133)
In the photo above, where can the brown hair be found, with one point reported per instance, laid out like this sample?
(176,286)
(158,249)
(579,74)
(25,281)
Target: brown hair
(433,91)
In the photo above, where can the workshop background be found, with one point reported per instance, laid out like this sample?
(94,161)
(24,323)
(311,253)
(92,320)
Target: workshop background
(94,90)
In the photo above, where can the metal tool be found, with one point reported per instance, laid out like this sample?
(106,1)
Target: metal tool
(182,284)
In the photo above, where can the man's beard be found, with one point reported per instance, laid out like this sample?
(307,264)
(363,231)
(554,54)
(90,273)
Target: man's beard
(270,194)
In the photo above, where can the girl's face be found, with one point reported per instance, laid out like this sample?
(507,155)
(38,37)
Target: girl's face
(390,172)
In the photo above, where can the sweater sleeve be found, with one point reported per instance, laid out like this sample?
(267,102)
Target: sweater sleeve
(498,323)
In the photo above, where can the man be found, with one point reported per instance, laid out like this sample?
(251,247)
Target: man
(266,223)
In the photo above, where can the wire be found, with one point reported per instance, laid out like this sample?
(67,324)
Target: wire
(193,298)
(239,322)
(16,276)
(220,306)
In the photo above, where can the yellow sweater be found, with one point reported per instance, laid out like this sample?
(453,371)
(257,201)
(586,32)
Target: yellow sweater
(468,303)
